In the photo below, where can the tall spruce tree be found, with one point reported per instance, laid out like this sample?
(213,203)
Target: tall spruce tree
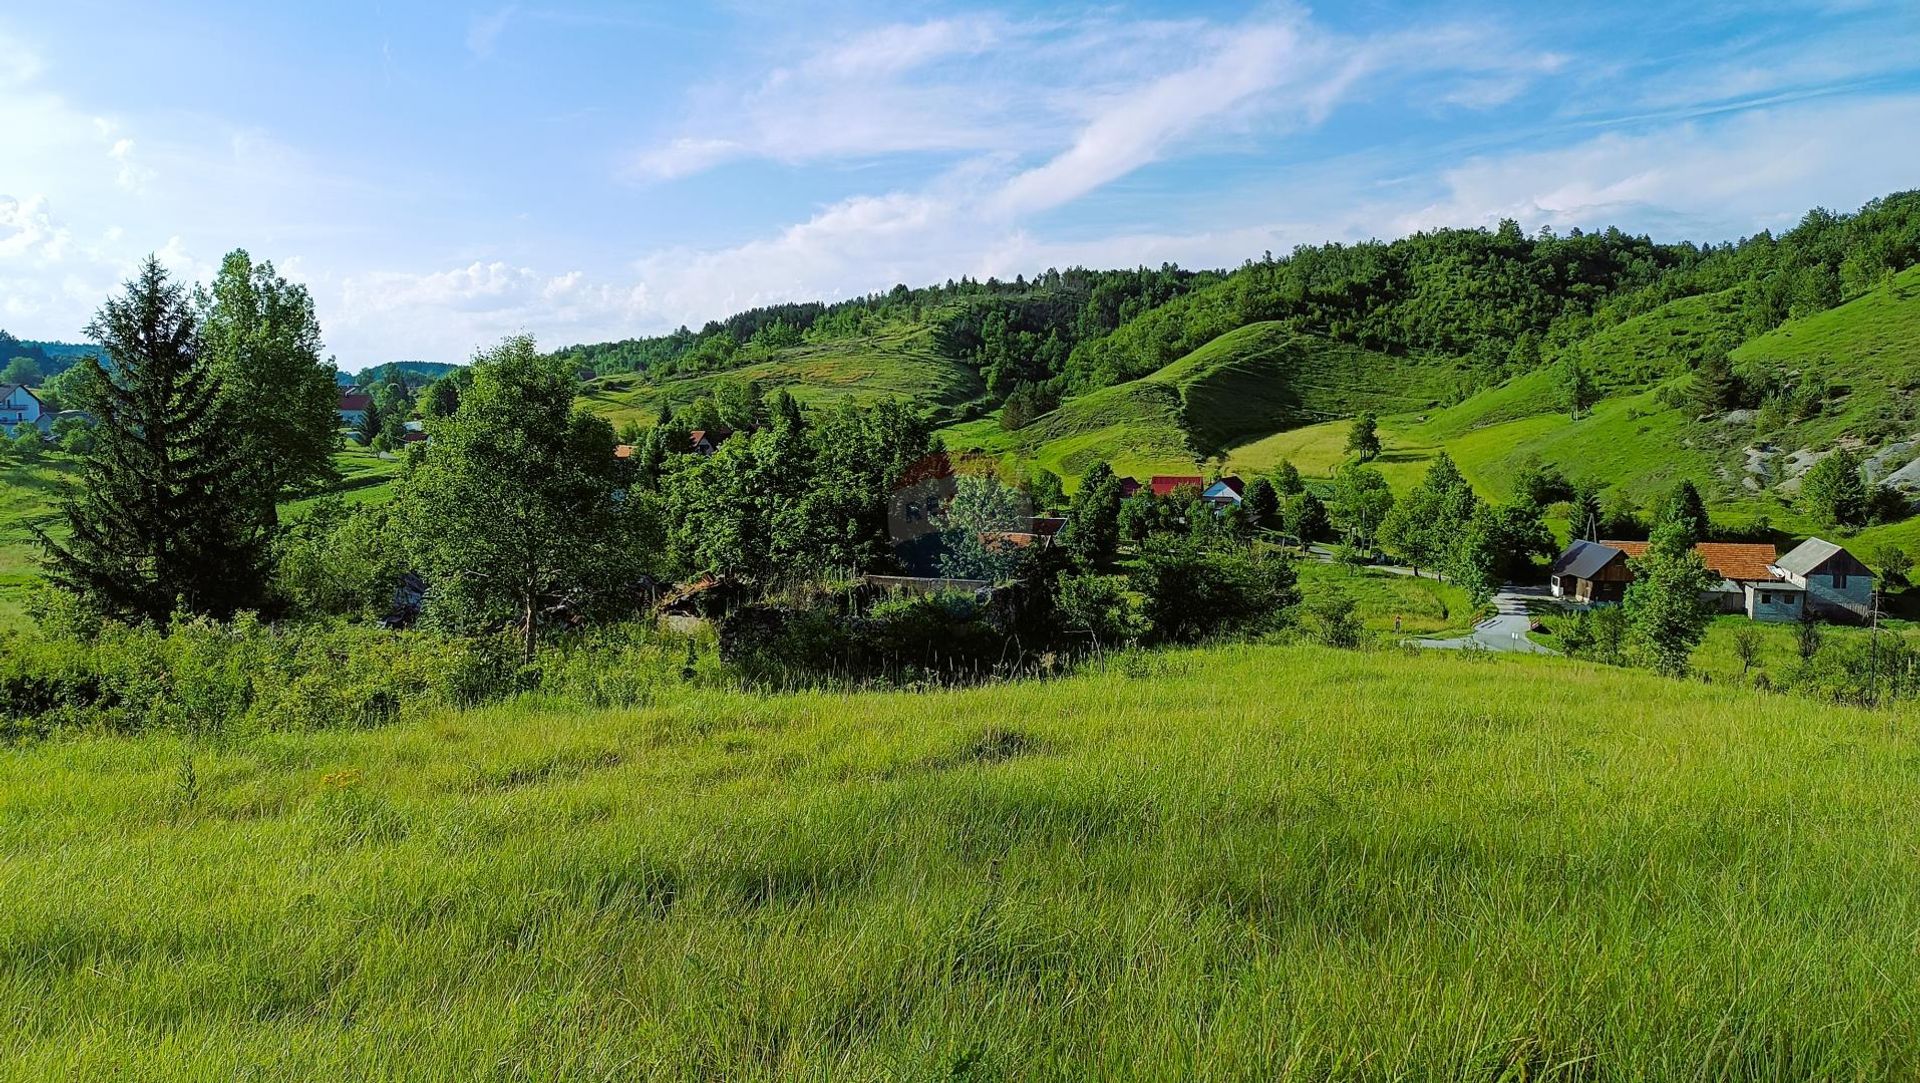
(158,524)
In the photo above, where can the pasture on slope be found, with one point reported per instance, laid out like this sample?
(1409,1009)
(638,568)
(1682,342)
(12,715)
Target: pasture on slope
(1249,381)
(898,361)
(1272,862)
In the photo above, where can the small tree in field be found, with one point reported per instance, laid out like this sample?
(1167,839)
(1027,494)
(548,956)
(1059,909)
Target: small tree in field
(1663,602)
(1746,647)
(1363,440)
(1577,390)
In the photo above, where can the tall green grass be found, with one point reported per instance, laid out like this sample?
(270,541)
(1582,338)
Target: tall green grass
(1257,862)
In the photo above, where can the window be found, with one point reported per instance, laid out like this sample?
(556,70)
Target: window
(1839,580)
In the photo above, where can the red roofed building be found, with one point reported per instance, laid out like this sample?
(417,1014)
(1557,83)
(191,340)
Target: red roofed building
(354,404)
(1165,484)
(707,441)
(1748,582)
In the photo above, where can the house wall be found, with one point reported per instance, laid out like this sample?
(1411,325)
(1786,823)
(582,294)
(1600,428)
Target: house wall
(1769,604)
(1855,600)
(18,409)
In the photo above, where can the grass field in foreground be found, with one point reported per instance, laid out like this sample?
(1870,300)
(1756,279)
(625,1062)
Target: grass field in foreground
(1264,862)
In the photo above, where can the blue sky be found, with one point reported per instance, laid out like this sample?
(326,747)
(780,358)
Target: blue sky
(441,175)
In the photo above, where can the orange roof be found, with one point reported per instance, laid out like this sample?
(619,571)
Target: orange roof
(1164,484)
(1738,561)
(623,451)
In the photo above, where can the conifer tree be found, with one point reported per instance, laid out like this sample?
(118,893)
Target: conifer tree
(158,524)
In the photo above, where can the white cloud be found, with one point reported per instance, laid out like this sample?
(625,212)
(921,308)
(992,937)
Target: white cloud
(19,65)
(1732,174)
(483,31)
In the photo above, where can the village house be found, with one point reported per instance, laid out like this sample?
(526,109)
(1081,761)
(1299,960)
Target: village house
(354,404)
(1128,487)
(18,406)
(1168,484)
(1752,580)
(707,441)
(1835,583)
(1591,573)
(1225,493)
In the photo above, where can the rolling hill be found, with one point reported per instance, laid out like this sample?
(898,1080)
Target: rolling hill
(898,362)
(1251,381)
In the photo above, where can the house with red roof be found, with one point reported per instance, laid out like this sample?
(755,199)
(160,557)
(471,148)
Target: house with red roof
(1168,484)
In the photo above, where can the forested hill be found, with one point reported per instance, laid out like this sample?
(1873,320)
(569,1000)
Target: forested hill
(1482,305)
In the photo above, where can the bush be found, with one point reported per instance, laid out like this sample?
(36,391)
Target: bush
(1194,592)
(199,677)
(1331,618)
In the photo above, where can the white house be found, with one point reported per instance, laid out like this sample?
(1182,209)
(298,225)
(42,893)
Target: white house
(1225,493)
(1835,582)
(19,406)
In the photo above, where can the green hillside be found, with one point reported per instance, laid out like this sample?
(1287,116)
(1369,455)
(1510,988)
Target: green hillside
(1250,381)
(898,362)
(1254,862)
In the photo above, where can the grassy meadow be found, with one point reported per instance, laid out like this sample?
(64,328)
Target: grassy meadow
(897,361)
(1245,862)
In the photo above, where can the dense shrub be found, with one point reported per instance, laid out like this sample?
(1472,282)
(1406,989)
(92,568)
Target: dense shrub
(206,678)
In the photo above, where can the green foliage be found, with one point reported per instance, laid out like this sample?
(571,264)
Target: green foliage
(1361,502)
(340,560)
(261,338)
(1363,440)
(1092,532)
(1261,505)
(162,521)
(1305,517)
(1194,591)
(1286,479)
(21,370)
(1331,618)
(980,511)
(1663,604)
(1105,608)
(517,506)
(1684,511)
(1426,525)
(1577,388)
(1834,492)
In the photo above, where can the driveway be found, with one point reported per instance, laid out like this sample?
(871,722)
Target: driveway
(1506,630)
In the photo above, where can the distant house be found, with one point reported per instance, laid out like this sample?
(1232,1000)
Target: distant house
(1747,581)
(1030,532)
(354,404)
(1128,487)
(1166,484)
(623,451)
(1225,493)
(1836,583)
(1597,573)
(707,441)
(18,406)
(1591,573)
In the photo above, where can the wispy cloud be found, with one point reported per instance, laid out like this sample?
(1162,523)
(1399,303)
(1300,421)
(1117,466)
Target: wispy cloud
(483,31)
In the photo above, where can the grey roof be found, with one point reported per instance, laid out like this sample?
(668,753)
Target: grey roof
(1807,556)
(1584,559)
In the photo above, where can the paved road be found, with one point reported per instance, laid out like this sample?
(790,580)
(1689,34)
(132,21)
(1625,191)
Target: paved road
(1506,630)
